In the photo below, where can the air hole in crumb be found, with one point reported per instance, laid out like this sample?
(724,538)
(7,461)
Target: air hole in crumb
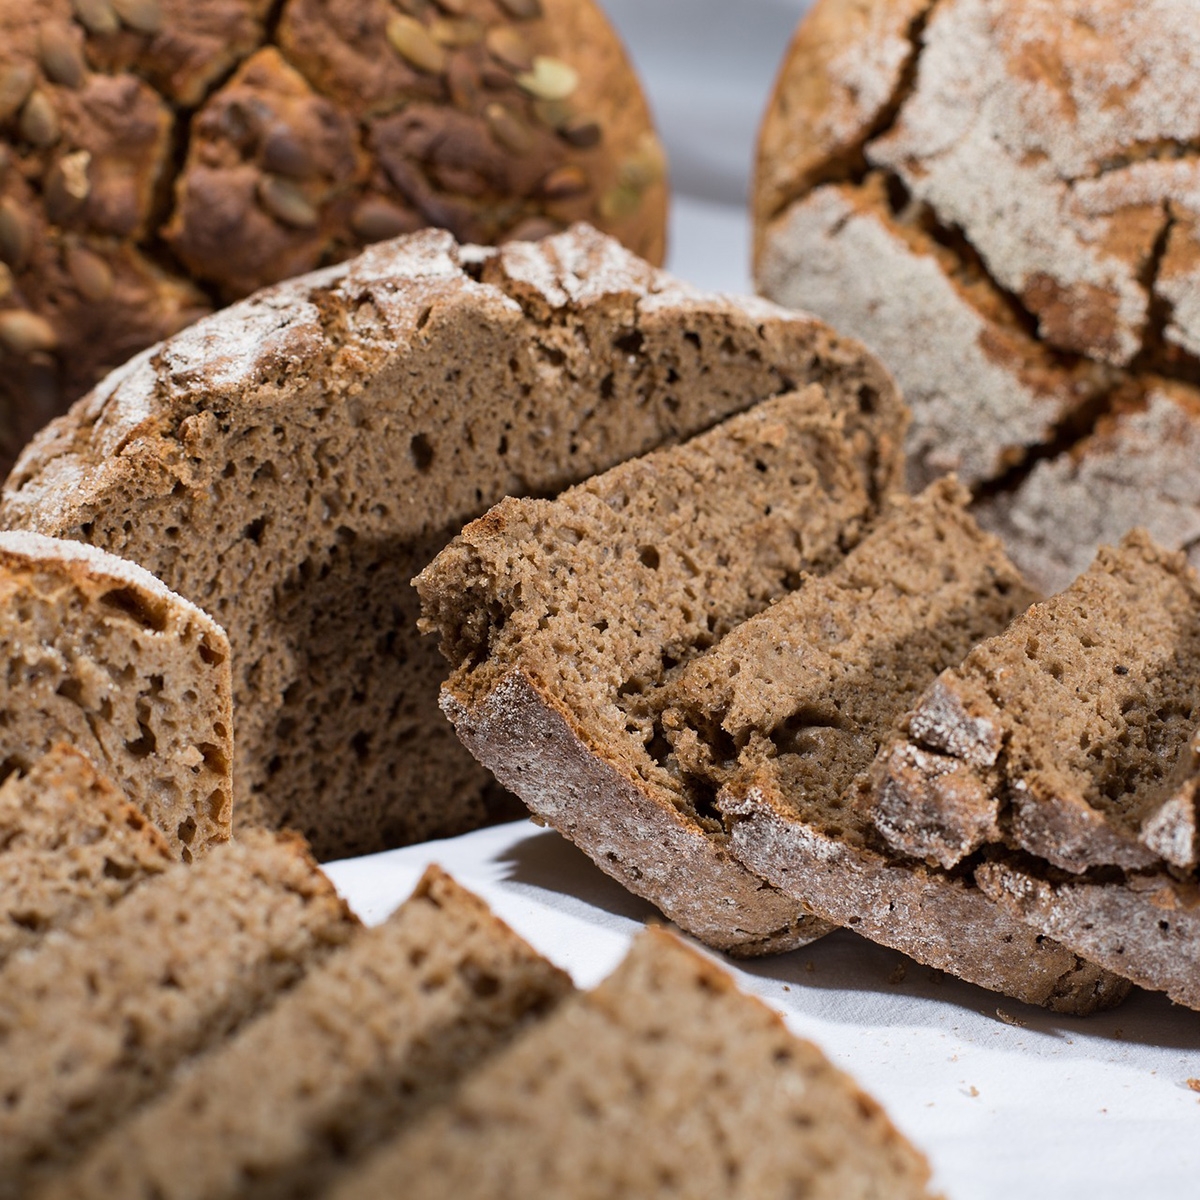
(502,448)
(630,342)
(116,870)
(187,831)
(145,745)
(422,452)
(254,531)
(360,743)
(214,757)
(210,654)
(71,689)
(648,557)
(135,604)
(482,983)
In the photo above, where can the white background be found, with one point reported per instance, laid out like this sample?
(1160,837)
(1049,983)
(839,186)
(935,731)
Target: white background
(1007,1101)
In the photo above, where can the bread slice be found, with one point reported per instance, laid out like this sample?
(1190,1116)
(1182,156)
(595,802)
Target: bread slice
(368,1040)
(781,721)
(94,1019)
(291,462)
(663,1080)
(69,842)
(1064,750)
(563,618)
(100,654)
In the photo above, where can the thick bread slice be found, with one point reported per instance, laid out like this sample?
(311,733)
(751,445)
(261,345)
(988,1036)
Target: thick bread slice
(1066,750)
(782,720)
(69,842)
(563,618)
(663,1080)
(367,1041)
(103,656)
(291,462)
(94,1019)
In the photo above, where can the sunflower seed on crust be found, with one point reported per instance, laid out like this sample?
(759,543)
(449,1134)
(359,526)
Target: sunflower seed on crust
(39,123)
(509,48)
(16,82)
(6,281)
(142,16)
(414,43)
(286,202)
(523,10)
(89,272)
(549,79)
(508,129)
(564,182)
(16,236)
(96,16)
(26,333)
(61,55)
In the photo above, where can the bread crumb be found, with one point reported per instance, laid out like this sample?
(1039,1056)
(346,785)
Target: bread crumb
(1194,1084)
(1009,1019)
(810,965)
(971,1091)
(898,973)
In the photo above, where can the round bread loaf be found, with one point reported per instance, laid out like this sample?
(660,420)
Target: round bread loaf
(159,158)
(291,462)
(1002,198)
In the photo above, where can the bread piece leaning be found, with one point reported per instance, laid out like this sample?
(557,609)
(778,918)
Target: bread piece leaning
(664,1080)
(291,462)
(564,619)
(69,842)
(1059,761)
(369,1040)
(99,654)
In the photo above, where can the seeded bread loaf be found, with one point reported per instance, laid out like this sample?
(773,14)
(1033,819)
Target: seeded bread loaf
(1064,751)
(95,1018)
(663,1080)
(1010,185)
(159,157)
(563,619)
(69,842)
(364,1043)
(781,721)
(290,463)
(102,655)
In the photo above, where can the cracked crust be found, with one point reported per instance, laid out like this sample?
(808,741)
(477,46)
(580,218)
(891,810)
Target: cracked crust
(919,911)
(159,158)
(1054,289)
(291,462)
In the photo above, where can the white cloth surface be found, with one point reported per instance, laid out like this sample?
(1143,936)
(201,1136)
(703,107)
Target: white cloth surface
(1006,1100)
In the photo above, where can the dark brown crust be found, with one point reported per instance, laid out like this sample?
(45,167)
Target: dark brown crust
(1146,929)
(533,746)
(937,919)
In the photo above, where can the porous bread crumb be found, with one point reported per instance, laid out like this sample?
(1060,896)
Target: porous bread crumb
(69,842)
(563,620)
(367,1041)
(292,461)
(95,1018)
(104,656)
(664,1076)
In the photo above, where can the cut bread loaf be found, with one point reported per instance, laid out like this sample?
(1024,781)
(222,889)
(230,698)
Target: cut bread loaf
(290,463)
(781,721)
(69,842)
(1064,749)
(96,1017)
(663,1080)
(563,619)
(972,178)
(103,656)
(364,1043)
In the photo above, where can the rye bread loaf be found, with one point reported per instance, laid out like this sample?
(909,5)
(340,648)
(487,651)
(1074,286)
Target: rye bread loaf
(1012,186)
(161,157)
(96,1017)
(69,842)
(563,619)
(102,655)
(1064,752)
(290,463)
(367,1041)
(663,1080)
(780,722)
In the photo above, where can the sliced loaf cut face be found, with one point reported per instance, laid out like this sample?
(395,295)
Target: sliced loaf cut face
(292,461)
(1064,751)
(366,1042)
(69,843)
(103,656)
(563,619)
(780,722)
(663,1080)
(94,1019)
